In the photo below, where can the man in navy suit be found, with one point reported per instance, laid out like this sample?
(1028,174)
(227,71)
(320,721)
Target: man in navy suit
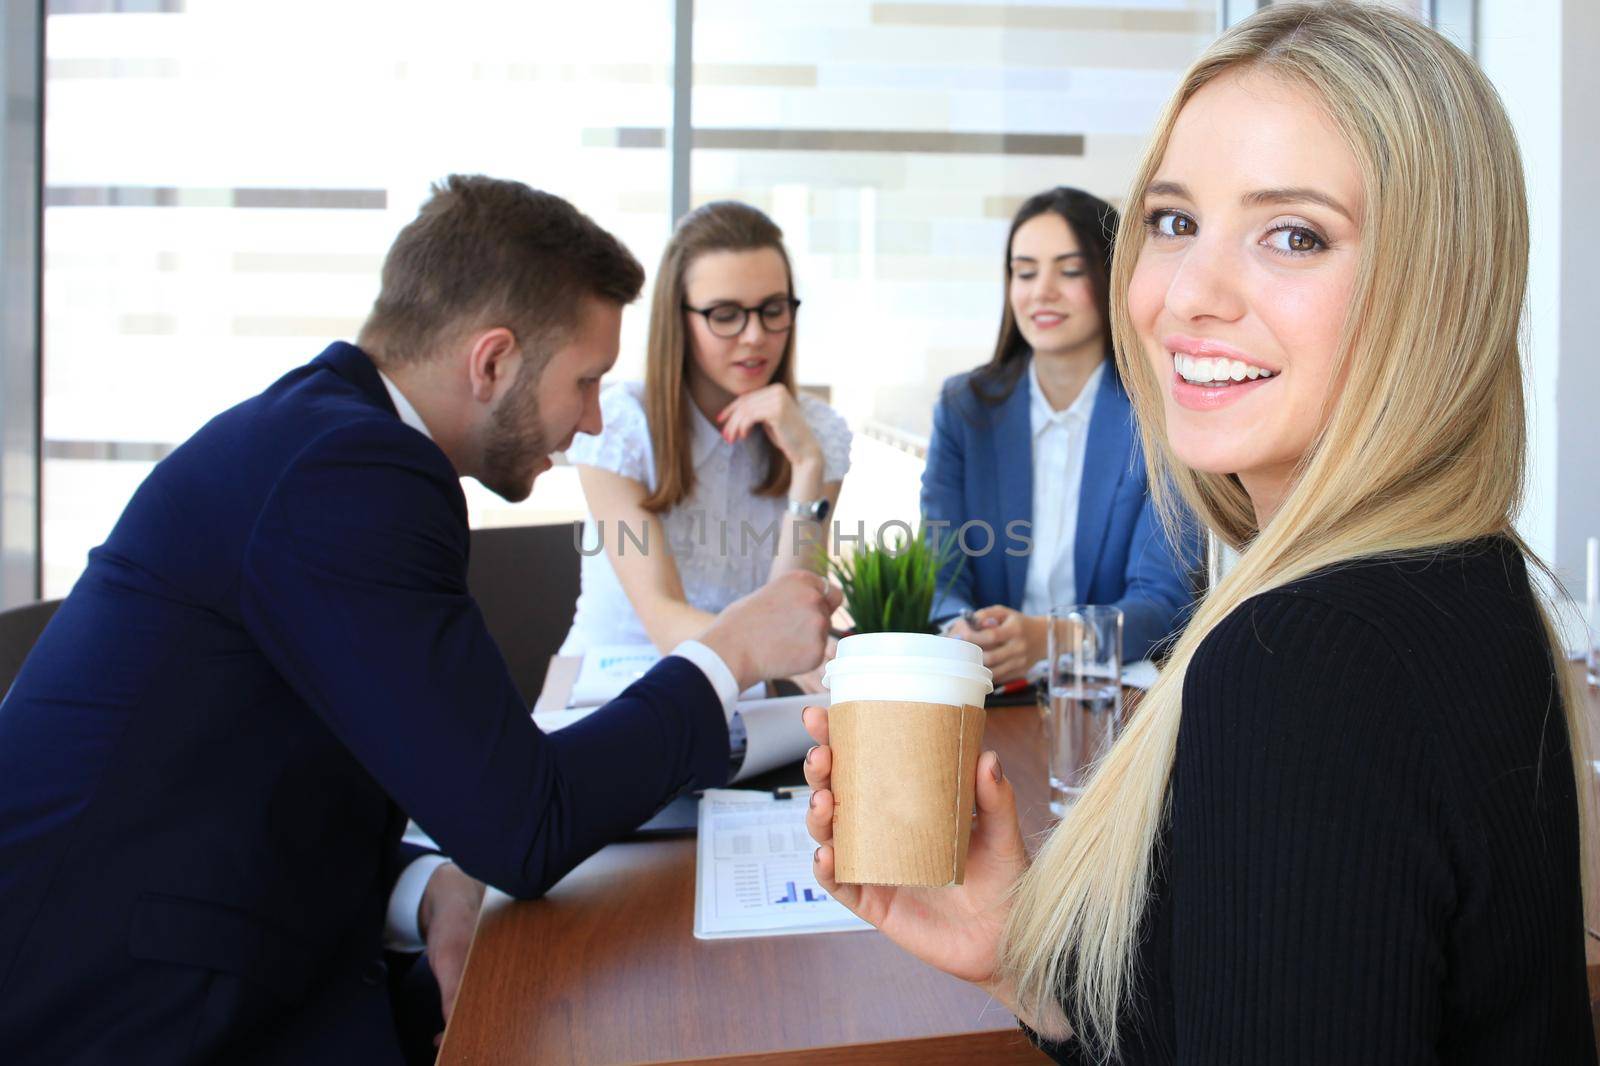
(208,760)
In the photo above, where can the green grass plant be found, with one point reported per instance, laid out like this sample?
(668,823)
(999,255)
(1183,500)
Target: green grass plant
(890,587)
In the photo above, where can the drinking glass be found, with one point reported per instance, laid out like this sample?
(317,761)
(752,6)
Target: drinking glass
(1083,708)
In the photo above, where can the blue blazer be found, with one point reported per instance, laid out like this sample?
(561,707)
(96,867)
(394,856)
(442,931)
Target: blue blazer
(980,466)
(207,762)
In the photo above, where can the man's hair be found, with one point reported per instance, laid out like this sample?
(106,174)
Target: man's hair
(485,252)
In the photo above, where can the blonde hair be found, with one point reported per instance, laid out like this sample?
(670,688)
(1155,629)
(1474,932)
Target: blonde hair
(1416,453)
(720,226)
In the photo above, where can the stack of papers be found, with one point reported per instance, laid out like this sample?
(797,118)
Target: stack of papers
(609,668)
(774,736)
(753,869)
(1141,675)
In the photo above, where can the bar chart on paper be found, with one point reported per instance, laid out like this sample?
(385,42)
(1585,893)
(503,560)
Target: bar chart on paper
(781,883)
(753,869)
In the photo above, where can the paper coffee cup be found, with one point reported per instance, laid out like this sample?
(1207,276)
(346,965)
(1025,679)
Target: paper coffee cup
(906,727)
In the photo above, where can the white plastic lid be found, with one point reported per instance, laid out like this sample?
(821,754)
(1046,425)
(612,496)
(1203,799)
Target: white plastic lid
(876,653)
(918,645)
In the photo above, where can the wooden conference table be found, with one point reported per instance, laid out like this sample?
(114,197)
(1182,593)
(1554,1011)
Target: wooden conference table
(606,969)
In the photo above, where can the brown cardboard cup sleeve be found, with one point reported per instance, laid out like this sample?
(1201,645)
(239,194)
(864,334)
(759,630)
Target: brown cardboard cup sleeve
(903,778)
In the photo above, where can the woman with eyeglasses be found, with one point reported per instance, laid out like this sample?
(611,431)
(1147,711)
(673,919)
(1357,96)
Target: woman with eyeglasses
(714,475)
(1039,446)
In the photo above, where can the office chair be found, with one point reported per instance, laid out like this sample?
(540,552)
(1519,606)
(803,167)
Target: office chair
(19,631)
(525,579)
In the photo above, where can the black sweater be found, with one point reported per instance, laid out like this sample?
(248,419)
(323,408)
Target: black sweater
(1372,851)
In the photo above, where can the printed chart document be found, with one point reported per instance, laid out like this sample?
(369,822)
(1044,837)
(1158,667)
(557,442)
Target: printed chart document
(608,669)
(753,869)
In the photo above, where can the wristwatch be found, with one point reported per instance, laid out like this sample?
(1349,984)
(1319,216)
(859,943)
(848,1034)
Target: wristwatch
(815,510)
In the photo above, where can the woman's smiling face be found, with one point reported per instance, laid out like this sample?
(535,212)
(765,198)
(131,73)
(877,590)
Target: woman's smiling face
(1052,298)
(1253,233)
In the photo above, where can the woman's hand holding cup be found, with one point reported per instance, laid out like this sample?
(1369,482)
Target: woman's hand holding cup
(956,929)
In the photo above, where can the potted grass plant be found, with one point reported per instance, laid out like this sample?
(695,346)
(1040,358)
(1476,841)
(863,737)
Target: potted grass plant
(890,588)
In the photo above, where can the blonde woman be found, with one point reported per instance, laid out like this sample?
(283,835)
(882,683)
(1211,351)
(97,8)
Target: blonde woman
(1346,825)
(714,475)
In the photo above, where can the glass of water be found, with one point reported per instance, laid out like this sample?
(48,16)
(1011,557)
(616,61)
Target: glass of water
(1083,709)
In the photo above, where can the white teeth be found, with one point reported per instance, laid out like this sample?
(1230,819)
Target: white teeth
(1202,371)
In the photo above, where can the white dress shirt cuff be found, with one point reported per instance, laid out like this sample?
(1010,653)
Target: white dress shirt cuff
(716,671)
(401,931)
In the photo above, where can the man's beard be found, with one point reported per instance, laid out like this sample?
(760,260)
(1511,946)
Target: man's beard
(515,444)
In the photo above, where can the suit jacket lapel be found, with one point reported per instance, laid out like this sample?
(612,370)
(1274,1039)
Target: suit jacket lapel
(1013,457)
(1107,454)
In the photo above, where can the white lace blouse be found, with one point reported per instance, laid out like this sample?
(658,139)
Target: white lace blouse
(722,536)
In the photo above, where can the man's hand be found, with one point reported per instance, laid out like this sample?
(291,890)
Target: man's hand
(779,630)
(446,917)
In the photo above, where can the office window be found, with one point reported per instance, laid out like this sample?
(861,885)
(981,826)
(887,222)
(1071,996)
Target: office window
(223,178)
(893,141)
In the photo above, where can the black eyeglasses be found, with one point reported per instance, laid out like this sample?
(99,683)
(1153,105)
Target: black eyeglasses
(729,320)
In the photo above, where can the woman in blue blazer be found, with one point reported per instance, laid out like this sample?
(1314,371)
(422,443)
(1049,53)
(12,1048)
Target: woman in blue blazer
(1035,464)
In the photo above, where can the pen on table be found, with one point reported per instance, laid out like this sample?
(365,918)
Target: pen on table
(1016,684)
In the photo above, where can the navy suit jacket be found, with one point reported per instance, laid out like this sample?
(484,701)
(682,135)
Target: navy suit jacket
(980,467)
(207,762)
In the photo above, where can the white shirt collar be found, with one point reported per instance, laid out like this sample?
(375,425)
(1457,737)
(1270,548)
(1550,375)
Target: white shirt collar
(403,408)
(704,437)
(1042,416)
